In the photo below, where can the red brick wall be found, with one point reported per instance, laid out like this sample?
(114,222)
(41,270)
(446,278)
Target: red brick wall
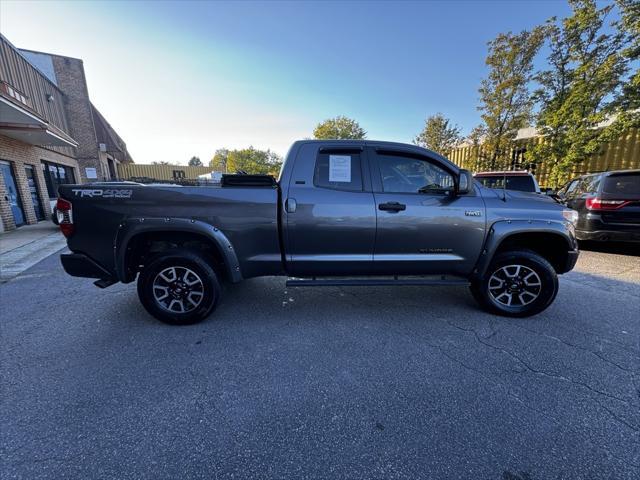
(19,154)
(71,80)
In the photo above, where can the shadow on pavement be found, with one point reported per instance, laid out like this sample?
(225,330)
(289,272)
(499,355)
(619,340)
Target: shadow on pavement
(617,248)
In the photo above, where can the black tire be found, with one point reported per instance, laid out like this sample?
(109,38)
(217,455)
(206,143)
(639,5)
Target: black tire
(511,299)
(191,297)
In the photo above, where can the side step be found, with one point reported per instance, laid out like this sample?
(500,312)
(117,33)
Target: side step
(104,282)
(375,281)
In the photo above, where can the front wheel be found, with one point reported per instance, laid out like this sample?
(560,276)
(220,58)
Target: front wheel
(179,287)
(518,283)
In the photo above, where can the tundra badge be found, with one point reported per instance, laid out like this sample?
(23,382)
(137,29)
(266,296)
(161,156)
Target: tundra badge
(473,213)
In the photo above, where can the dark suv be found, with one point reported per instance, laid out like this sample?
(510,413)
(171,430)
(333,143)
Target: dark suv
(608,205)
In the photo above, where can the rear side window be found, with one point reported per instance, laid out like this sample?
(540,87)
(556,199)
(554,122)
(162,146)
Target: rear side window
(340,170)
(588,185)
(572,186)
(625,184)
(522,183)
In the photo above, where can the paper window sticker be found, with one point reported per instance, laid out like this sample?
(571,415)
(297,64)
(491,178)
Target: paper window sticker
(340,168)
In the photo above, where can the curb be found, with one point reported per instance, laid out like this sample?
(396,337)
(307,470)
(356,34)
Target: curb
(16,261)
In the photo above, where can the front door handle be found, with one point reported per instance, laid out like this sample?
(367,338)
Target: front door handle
(392,206)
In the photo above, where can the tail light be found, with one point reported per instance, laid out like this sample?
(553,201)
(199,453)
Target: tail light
(595,203)
(64,213)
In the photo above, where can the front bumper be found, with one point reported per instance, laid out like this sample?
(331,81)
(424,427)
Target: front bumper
(79,265)
(572,258)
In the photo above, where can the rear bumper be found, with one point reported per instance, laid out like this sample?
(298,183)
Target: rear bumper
(609,235)
(79,265)
(594,226)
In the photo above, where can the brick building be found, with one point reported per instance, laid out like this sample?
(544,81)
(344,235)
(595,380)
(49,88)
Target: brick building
(50,133)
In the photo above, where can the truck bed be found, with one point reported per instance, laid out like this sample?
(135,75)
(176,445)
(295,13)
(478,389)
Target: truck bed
(247,215)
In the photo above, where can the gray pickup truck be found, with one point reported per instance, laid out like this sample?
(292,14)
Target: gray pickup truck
(342,213)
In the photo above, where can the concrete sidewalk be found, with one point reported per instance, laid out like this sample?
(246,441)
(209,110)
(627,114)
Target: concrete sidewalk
(26,246)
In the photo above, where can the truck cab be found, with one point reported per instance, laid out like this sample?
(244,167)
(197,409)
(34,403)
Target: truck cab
(353,208)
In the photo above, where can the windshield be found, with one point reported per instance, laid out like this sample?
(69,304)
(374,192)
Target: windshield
(522,183)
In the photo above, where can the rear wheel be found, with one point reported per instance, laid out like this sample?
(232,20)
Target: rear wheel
(179,287)
(518,283)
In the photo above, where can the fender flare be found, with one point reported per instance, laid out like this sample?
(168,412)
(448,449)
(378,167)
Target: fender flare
(503,229)
(134,226)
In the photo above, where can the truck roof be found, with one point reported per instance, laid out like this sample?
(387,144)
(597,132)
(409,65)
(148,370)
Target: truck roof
(384,144)
(505,173)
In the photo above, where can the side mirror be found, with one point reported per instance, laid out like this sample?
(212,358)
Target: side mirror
(465,182)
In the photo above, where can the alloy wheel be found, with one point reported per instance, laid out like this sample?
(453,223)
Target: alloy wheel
(178,289)
(514,285)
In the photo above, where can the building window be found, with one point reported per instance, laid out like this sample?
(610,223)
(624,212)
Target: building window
(56,175)
(12,92)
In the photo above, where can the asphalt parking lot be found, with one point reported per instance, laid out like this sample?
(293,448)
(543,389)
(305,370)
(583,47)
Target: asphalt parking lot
(407,382)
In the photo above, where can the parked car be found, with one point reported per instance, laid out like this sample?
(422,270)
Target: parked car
(608,205)
(343,212)
(522,181)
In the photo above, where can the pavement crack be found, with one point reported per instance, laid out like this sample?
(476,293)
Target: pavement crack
(540,372)
(492,380)
(597,354)
(619,419)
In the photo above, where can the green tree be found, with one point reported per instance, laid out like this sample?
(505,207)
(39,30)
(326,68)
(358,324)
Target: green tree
(340,127)
(627,102)
(163,162)
(195,162)
(438,134)
(219,160)
(505,99)
(587,67)
(253,161)
(476,157)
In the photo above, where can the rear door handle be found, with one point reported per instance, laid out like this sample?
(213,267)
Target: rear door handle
(392,206)
(290,205)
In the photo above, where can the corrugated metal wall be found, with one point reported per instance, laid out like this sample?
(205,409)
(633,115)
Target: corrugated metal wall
(621,154)
(129,171)
(16,71)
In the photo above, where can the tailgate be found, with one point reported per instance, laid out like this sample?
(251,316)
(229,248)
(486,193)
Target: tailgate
(622,192)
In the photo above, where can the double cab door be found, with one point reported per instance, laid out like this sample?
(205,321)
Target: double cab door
(378,210)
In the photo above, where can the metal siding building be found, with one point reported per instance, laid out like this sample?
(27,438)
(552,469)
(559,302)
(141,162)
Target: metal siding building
(163,173)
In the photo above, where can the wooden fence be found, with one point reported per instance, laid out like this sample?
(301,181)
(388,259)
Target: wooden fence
(621,154)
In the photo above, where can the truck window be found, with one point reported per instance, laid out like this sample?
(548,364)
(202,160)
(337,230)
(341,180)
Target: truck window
(339,170)
(403,174)
(521,183)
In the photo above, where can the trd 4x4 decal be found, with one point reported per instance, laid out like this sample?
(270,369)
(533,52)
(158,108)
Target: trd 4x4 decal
(98,192)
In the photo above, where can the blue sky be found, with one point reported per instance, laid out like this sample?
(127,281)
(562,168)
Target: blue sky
(178,79)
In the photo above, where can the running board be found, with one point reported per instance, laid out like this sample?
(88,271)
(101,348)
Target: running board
(369,282)
(104,282)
